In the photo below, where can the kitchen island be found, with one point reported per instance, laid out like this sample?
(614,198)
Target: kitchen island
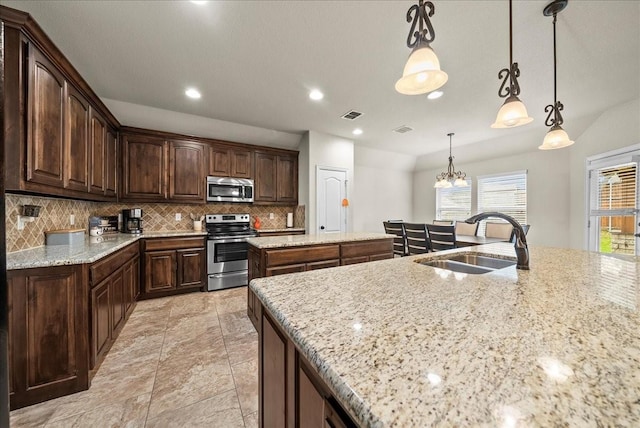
(397,343)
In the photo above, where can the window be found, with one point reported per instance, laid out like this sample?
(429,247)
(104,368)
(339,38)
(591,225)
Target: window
(505,193)
(453,203)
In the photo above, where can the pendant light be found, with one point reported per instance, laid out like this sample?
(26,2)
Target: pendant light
(513,112)
(422,72)
(451,177)
(557,137)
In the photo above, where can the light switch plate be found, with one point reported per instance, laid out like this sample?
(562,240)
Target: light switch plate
(271,216)
(72,219)
(178,216)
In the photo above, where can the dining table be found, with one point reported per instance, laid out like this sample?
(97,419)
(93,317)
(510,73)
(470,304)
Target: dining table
(471,240)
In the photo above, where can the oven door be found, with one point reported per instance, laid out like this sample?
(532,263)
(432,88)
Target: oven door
(226,255)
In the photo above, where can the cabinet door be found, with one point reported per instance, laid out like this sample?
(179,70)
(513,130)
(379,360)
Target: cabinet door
(273,385)
(160,271)
(98,136)
(76,141)
(111,163)
(100,319)
(129,276)
(192,264)
(47,330)
(241,163)
(45,123)
(265,179)
(144,161)
(310,403)
(117,293)
(219,162)
(186,176)
(287,176)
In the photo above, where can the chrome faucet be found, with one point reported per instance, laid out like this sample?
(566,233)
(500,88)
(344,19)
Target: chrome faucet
(522,250)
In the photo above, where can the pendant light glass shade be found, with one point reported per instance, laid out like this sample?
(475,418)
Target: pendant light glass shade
(556,138)
(421,73)
(512,113)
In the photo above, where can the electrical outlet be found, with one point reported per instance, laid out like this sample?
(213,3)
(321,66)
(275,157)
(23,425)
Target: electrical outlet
(178,216)
(72,219)
(271,216)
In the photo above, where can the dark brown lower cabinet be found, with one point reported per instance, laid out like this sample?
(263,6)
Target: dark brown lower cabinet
(174,265)
(291,394)
(47,333)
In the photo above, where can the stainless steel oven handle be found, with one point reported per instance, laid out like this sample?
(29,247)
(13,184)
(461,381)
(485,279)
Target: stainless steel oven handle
(228,241)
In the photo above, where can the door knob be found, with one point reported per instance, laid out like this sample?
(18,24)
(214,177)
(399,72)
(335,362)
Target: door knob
(321,227)
(637,235)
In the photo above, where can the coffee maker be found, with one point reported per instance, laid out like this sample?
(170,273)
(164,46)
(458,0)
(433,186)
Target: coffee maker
(132,220)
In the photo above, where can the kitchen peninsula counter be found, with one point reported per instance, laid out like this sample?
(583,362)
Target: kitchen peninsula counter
(324,238)
(94,248)
(400,344)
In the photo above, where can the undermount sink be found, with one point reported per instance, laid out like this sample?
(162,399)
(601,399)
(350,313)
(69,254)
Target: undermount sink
(468,263)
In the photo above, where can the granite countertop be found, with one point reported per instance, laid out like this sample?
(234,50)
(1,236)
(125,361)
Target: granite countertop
(324,238)
(403,344)
(93,249)
(283,229)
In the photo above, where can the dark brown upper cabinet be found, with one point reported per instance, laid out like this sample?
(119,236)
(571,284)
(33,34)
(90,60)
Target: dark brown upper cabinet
(230,162)
(145,163)
(76,140)
(98,136)
(111,164)
(276,178)
(186,173)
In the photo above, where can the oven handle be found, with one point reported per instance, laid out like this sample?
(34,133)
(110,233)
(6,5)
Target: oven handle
(228,240)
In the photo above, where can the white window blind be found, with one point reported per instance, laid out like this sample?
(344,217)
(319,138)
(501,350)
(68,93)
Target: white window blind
(616,192)
(505,193)
(453,203)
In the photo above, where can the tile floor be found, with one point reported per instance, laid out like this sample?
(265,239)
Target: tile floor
(182,361)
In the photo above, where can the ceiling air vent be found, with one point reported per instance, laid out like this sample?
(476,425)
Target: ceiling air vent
(351,115)
(403,129)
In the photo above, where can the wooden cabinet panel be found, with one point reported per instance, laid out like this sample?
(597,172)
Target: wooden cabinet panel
(130,275)
(107,265)
(111,163)
(281,270)
(100,319)
(354,260)
(219,162)
(310,402)
(241,163)
(186,175)
(287,172)
(192,268)
(173,243)
(383,256)
(366,248)
(314,253)
(273,363)
(117,302)
(47,333)
(98,136)
(45,128)
(76,141)
(323,264)
(160,271)
(145,164)
(265,184)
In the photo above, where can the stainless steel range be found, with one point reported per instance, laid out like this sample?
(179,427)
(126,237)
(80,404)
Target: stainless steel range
(227,250)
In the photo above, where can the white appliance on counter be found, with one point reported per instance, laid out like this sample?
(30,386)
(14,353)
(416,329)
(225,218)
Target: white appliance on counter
(227,264)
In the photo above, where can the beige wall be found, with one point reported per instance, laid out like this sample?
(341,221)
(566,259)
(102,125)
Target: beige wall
(616,128)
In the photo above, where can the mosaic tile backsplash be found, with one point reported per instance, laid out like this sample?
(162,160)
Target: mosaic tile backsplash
(55,214)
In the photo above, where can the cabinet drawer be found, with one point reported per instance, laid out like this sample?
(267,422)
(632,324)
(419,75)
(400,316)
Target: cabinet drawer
(354,260)
(104,267)
(286,269)
(366,248)
(323,264)
(155,244)
(290,256)
(383,256)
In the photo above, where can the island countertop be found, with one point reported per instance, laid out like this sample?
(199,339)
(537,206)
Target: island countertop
(324,238)
(402,344)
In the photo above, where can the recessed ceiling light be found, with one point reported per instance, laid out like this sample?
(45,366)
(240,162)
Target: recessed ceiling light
(198,1)
(435,95)
(357,131)
(316,95)
(192,93)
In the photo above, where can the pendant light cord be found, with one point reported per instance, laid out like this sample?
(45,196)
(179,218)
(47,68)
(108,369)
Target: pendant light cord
(555,66)
(510,35)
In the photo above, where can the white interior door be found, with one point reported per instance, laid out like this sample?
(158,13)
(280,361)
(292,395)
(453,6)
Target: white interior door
(614,204)
(331,190)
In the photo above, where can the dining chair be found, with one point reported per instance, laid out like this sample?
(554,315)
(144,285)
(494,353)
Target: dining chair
(442,222)
(498,230)
(463,228)
(400,241)
(417,238)
(441,237)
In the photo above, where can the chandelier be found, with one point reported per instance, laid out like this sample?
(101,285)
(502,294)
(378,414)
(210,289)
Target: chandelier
(451,177)
(557,137)
(513,112)
(422,72)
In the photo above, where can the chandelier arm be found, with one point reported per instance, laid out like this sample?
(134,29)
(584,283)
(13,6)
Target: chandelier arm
(419,17)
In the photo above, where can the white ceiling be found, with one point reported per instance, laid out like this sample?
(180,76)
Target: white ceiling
(255,62)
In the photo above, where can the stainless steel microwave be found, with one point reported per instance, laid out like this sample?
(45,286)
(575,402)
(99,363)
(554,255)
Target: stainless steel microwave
(226,189)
